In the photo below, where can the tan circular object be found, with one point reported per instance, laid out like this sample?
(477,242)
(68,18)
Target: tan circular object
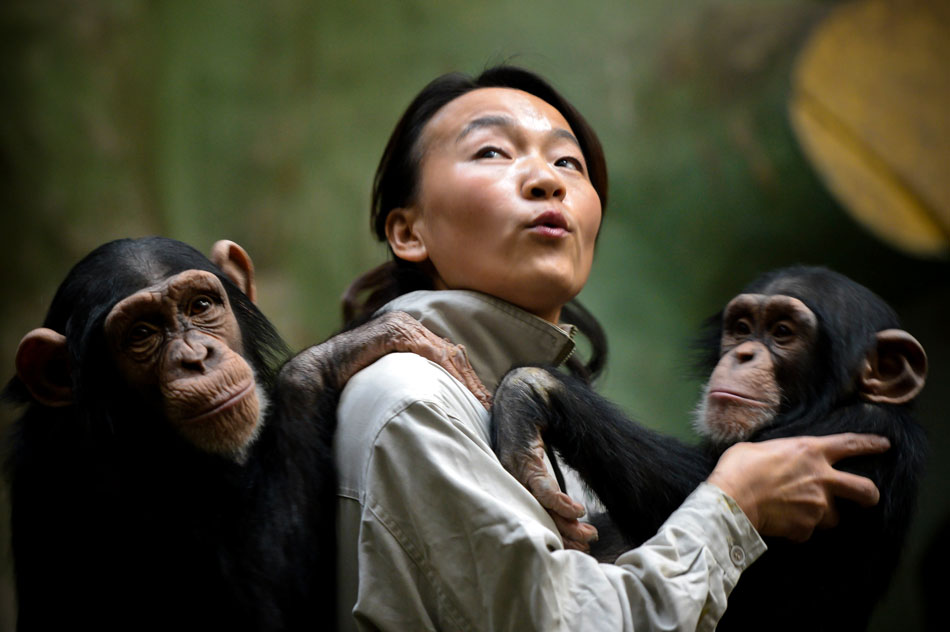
(871,107)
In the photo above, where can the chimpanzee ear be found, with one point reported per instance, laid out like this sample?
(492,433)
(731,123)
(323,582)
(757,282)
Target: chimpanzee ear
(42,364)
(236,265)
(895,369)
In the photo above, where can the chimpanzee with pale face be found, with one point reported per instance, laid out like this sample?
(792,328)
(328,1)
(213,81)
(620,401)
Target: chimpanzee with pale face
(802,351)
(170,471)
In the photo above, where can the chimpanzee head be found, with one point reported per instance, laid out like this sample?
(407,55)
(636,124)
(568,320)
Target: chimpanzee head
(802,341)
(149,330)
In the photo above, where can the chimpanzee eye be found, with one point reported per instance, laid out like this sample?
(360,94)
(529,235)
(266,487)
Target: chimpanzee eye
(140,332)
(782,330)
(200,305)
(742,327)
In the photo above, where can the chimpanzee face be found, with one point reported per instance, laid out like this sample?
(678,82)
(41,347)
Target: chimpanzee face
(766,349)
(770,360)
(178,344)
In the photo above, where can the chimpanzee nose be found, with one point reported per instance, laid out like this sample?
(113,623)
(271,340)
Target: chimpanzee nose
(747,351)
(193,352)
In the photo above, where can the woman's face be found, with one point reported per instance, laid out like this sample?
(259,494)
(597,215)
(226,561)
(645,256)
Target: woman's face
(504,204)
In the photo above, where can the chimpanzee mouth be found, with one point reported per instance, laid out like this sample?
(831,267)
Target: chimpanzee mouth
(738,398)
(228,402)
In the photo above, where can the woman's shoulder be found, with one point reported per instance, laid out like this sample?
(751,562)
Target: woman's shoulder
(406,394)
(398,375)
(399,381)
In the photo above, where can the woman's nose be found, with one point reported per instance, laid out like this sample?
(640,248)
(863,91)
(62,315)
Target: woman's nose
(542,182)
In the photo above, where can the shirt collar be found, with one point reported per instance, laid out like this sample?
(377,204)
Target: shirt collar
(497,335)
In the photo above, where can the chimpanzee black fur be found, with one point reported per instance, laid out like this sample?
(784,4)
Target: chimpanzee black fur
(119,523)
(830,582)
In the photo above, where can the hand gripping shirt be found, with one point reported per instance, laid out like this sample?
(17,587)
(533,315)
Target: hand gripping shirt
(434,534)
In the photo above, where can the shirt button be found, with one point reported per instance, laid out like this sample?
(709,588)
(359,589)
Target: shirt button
(737,555)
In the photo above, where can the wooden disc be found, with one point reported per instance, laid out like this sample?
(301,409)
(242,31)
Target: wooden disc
(870,105)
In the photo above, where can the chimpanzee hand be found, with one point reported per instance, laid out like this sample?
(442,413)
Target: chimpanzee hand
(331,364)
(786,487)
(519,421)
(407,334)
(400,332)
(524,459)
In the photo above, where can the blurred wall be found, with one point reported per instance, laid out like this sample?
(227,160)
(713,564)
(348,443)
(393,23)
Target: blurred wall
(263,123)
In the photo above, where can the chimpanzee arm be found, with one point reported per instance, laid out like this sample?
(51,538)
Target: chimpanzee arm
(307,379)
(640,475)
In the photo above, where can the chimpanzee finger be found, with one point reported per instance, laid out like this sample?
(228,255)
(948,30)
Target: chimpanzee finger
(545,489)
(464,373)
(443,352)
(575,534)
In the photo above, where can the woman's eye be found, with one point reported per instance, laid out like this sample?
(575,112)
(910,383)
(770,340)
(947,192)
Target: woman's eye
(489,152)
(570,162)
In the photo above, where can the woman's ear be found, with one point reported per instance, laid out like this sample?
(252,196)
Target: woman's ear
(895,369)
(405,237)
(236,265)
(42,364)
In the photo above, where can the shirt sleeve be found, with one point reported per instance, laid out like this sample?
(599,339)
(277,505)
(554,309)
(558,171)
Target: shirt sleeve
(448,540)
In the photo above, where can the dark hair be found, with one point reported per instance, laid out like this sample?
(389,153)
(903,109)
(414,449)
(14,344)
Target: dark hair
(397,177)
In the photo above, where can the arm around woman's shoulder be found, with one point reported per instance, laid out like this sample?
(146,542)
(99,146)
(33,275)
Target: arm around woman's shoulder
(448,540)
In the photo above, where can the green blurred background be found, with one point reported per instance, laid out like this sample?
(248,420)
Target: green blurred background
(263,122)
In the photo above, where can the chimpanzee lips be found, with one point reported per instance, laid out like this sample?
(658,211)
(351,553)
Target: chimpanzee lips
(223,404)
(731,396)
(218,390)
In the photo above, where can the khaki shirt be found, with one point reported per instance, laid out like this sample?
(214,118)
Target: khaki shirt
(435,535)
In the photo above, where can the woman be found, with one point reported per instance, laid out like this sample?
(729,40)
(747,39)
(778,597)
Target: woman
(490,194)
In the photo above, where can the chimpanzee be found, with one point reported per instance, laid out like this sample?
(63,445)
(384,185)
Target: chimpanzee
(802,351)
(167,473)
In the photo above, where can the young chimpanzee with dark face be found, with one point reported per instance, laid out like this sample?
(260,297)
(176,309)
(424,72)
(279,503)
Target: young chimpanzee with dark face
(802,351)
(167,473)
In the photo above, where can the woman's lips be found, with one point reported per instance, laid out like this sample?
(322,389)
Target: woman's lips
(550,224)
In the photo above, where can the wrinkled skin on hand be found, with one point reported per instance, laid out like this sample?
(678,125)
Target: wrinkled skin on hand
(330,364)
(532,471)
(523,456)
